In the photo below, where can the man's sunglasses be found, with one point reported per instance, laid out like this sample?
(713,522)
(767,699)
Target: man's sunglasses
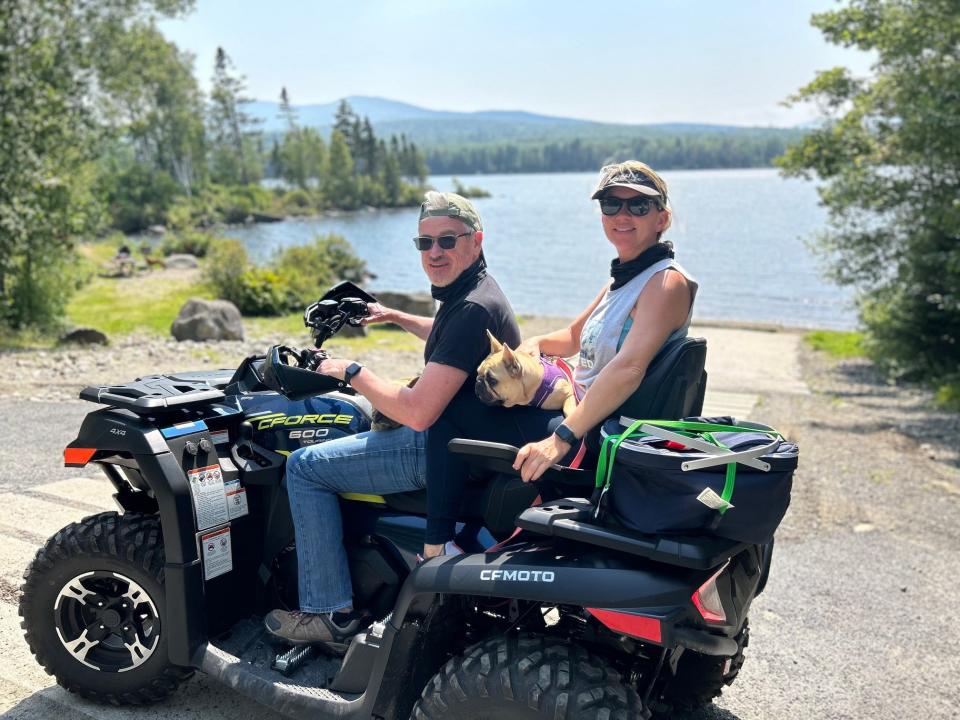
(639,205)
(446,242)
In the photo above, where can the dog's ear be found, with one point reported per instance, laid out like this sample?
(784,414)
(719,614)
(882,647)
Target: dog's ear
(510,362)
(495,345)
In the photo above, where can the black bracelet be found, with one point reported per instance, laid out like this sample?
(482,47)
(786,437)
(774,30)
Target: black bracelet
(566,434)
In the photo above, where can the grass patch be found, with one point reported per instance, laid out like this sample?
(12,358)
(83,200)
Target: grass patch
(146,303)
(29,339)
(948,396)
(835,343)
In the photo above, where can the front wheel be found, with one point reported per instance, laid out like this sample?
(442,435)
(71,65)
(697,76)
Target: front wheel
(93,609)
(527,678)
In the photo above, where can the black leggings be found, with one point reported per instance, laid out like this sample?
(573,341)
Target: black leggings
(467,417)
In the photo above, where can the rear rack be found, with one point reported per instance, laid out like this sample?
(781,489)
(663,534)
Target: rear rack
(570,519)
(154,394)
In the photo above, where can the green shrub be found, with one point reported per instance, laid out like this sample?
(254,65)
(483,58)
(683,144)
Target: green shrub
(189,241)
(296,277)
(297,201)
(261,291)
(948,395)
(226,262)
(309,269)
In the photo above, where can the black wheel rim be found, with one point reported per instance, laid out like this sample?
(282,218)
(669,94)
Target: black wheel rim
(107,621)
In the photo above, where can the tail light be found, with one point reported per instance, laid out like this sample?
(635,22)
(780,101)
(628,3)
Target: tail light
(77,457)
(642,627)
(707,599)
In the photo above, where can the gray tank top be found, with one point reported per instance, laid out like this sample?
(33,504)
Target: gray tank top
(603,331)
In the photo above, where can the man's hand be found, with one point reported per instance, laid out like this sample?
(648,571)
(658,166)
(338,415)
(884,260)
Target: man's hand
(378,313)
(334,368)
(533,459)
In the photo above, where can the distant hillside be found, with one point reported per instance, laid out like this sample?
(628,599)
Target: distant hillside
(426,126)
(518,141)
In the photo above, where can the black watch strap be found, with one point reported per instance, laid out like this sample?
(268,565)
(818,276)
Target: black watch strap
(566,434)
(351,371)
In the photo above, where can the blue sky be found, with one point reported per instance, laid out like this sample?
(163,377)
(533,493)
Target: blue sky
(632,62)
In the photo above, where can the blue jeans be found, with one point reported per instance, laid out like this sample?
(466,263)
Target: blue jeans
(379,463)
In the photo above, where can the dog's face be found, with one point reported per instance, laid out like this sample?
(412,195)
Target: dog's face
(500,376)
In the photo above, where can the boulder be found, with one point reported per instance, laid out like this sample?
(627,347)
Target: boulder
(157,230)
(208,320)
(413,303)
(180,261)
(83,336)
(353,331)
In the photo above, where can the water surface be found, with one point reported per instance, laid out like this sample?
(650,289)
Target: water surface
(741,233)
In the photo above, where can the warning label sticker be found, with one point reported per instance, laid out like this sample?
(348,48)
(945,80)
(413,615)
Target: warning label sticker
(236,499)
(709,498)
(216,552)
(209,497)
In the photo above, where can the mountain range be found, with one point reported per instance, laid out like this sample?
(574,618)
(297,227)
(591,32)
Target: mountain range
(441,127)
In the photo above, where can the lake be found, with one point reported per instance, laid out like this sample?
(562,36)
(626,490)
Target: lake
(741,233)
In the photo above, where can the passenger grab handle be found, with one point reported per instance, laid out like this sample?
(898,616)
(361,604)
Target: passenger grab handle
(719,455)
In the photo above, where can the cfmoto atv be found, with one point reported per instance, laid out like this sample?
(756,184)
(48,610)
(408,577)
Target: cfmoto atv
(547,614)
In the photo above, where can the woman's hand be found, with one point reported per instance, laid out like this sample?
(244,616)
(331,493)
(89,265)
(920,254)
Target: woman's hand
(534,458)
(377,313)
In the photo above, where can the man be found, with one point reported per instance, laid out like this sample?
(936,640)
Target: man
(450,244)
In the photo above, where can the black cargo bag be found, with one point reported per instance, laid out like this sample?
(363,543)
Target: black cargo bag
(713,475)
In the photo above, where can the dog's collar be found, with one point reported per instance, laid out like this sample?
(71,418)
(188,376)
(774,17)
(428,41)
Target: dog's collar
(552,374)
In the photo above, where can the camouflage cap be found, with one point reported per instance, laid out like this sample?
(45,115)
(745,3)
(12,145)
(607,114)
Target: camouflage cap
(450,205)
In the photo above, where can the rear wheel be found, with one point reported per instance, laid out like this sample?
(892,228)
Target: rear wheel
(527,678)
(700,678)
(93,609)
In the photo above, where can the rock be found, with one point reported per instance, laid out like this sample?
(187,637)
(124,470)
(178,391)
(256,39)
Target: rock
(265,217)
(208,320)
(348,331)
(413,303)
(180,261)
(157,230)
(84,336)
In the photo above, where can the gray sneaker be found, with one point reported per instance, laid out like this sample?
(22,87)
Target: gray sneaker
(331,630)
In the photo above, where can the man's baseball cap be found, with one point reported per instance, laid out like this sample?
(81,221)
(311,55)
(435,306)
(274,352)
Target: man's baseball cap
(438,204)
(625,176)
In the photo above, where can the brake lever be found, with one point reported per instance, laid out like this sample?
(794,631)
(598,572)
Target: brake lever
(311,359)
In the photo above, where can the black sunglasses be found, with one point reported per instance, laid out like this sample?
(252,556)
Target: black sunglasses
(638,205)
(446,242)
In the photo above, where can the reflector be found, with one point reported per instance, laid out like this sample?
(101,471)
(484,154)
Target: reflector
(627,623)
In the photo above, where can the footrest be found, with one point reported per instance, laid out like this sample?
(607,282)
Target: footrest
(570,519)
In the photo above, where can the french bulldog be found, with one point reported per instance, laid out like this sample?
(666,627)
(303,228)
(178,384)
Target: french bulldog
(508,377)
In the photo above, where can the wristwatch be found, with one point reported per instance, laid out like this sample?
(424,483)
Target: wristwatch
(566,434)
(351,371)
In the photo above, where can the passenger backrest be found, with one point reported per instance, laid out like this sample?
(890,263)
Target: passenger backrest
(674,384)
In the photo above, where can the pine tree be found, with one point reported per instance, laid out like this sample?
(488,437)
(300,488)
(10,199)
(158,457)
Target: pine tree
(233,130)
(339,184)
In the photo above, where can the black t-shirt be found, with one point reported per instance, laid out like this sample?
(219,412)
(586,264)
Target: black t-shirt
(459,335)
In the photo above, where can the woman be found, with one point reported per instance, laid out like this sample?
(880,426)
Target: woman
(647,303)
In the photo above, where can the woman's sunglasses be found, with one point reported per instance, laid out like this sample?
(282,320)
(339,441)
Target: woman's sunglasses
(638,205)
(446,242)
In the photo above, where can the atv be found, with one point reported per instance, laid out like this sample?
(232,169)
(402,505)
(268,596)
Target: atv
(549,612)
